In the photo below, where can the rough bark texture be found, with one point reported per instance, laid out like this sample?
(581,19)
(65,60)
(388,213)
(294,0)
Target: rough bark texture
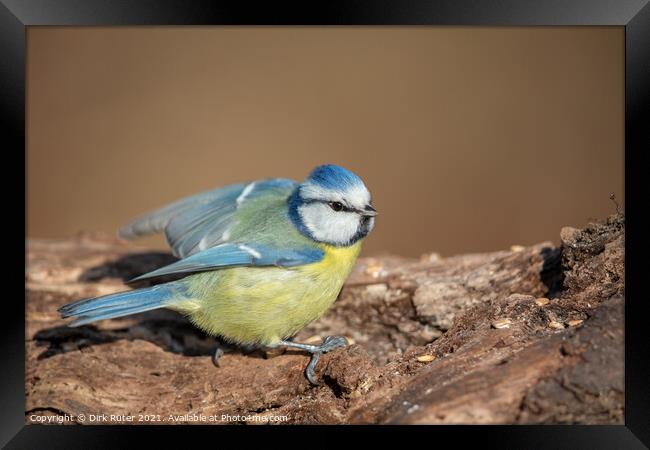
(530,335)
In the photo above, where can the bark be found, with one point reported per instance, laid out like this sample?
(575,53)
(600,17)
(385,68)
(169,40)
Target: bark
(529,335)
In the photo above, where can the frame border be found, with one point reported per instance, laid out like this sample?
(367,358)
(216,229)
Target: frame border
(634,15)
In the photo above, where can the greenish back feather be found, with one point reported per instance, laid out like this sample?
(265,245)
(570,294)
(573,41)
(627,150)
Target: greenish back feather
(265,220)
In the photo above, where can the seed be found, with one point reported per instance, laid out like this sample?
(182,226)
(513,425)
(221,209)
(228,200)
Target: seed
(375,270)
(502,323)
(425,358)
(517,248)
(273,352)
(542,301)
(556,325)
(574,322)
(313,339)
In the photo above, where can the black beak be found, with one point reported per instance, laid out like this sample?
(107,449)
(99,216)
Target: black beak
(369,211)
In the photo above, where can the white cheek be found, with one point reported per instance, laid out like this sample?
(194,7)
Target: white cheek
(327,225)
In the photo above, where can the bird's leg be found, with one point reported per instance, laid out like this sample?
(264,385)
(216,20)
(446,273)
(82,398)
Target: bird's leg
(329,343)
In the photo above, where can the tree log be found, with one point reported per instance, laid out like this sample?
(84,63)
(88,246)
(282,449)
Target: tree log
(529,335)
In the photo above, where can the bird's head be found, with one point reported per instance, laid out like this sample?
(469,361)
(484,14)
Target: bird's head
(332,206)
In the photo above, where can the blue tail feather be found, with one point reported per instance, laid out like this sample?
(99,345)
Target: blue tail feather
(121,304)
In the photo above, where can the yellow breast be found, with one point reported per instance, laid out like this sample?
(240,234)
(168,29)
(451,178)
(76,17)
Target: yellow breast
(267,304)
(337,262)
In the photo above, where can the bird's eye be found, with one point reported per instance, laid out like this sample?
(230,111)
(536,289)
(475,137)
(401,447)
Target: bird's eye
(336,206)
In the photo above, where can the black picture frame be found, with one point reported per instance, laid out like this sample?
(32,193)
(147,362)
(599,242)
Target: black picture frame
(634,15)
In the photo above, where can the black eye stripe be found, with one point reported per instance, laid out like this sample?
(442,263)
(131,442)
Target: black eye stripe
(329,203)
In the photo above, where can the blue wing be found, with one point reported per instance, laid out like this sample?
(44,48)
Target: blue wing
(231,255)
(201,221)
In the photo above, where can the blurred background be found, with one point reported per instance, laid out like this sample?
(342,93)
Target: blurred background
(470,139)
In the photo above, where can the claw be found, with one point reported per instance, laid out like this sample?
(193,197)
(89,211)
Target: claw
(218,353)
(329,343)
(309,370)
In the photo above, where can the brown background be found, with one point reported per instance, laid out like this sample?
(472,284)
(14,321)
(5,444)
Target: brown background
(470,139)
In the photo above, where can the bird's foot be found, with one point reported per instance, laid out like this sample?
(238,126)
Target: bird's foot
(333,342)
(329,343)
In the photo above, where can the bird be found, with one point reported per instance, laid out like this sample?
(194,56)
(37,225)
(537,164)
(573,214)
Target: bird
(258,261)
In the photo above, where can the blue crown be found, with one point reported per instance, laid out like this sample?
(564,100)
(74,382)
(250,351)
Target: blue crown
(331,176)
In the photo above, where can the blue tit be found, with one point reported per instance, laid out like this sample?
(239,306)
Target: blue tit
(258,261)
